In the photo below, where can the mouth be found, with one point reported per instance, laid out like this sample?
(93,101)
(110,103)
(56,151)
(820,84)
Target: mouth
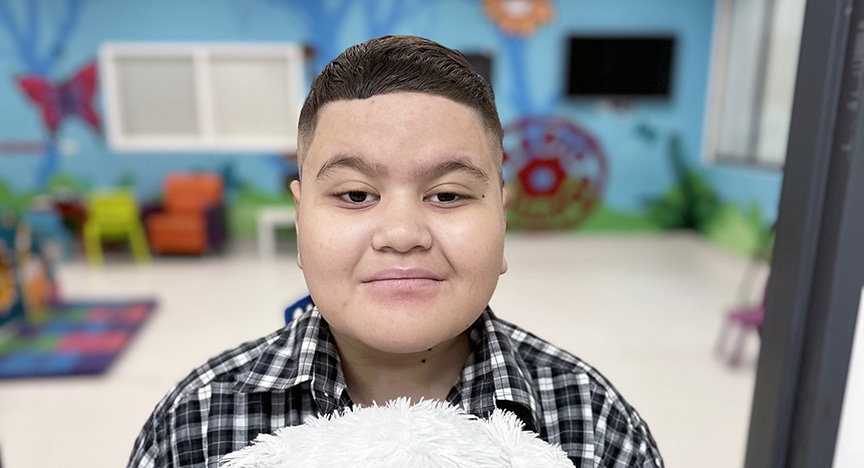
(403,283)
(406,276)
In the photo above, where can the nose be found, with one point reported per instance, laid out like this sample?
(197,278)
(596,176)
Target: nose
(401,226)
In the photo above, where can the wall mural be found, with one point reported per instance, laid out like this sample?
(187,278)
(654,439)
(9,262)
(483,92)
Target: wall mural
(322,21)
(53,99)
(561,173)
(56,101)
(693,203)
(556,170)
(325,19)
(520,17)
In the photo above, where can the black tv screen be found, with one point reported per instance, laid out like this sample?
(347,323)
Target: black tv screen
(481,63)
(620,67)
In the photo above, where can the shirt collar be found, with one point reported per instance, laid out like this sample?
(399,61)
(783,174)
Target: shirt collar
(495,376)
(303,352)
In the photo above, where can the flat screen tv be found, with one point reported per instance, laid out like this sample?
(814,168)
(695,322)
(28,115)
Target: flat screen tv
(481,63)
(620,67)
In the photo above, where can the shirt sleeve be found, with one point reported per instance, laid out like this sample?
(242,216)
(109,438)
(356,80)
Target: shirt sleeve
(622,438)
(148,448)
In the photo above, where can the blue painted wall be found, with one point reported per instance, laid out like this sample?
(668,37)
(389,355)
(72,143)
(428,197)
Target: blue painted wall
(528,79)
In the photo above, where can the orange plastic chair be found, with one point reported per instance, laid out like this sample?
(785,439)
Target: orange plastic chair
(193,218)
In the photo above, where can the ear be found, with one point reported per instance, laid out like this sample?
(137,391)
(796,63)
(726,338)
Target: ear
(295,192)
(505,195)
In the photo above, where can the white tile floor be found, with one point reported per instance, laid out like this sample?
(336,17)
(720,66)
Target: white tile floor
(643,309)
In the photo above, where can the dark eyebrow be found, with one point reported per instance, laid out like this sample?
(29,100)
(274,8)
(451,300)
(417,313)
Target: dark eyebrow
(350,162)
(456,164)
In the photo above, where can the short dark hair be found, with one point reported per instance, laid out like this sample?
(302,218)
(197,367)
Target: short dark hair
(392,64)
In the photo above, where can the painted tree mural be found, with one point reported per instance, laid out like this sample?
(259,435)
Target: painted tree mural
(324,19)
(39,53)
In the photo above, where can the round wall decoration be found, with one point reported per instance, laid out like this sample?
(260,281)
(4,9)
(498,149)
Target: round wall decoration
(557,173)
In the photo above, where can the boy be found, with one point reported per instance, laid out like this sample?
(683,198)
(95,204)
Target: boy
(400,232)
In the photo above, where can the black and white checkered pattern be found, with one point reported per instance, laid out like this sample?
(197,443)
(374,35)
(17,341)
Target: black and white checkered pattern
(283,378)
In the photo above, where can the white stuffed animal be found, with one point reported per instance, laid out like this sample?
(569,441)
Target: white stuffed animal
(429,434)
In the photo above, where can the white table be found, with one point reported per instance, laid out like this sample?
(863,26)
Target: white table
(271,218)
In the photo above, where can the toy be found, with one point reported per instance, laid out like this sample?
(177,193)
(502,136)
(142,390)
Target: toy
(27,284)
(428,434)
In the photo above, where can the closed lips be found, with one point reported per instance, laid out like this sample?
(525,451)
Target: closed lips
(394,274)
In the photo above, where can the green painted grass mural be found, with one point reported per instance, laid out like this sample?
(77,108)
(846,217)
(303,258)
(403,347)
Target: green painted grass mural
(744,232)
(9,199)
(242,212)
(693,203)
(69,183)
(605,219)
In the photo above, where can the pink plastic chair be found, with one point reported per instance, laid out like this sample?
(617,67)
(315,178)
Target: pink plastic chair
(745,318)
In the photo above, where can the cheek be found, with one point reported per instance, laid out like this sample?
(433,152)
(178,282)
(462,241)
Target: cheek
(474,245)
(329,244)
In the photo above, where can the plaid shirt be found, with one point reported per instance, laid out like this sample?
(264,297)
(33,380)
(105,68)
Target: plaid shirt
(283,378)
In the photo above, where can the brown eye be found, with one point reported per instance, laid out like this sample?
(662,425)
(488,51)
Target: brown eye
(445,197)
(355,196)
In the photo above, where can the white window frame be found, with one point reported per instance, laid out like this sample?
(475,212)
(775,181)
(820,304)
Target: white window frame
(201,55)
(718,71)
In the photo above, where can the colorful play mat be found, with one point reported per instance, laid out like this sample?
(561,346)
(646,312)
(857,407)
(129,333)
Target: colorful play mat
(70,339)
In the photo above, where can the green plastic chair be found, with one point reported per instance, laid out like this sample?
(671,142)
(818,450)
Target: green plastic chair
(114,216)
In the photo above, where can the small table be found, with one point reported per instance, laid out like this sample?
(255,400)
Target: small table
(269,219)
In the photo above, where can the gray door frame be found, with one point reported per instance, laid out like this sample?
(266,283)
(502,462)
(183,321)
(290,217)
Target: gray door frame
(813,295)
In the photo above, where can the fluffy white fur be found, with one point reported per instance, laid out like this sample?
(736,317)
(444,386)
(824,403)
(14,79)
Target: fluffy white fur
(428,434)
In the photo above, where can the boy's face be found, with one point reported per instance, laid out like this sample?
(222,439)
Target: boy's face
(400,220)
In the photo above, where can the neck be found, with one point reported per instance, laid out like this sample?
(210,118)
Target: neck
(376,377)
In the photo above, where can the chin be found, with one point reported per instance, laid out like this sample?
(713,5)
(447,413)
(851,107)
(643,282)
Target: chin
(399,328)
(403,345)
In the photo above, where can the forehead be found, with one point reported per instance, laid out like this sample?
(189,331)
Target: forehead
(398,129)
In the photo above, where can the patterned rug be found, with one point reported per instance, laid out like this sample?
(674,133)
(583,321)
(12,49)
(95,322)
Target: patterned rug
(71,339)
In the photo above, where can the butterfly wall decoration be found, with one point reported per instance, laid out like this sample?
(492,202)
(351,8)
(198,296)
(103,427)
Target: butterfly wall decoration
(56,101)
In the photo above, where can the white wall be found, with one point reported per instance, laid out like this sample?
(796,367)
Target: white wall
(850,450)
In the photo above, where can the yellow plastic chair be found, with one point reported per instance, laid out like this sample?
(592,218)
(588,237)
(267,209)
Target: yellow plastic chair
(114,216)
